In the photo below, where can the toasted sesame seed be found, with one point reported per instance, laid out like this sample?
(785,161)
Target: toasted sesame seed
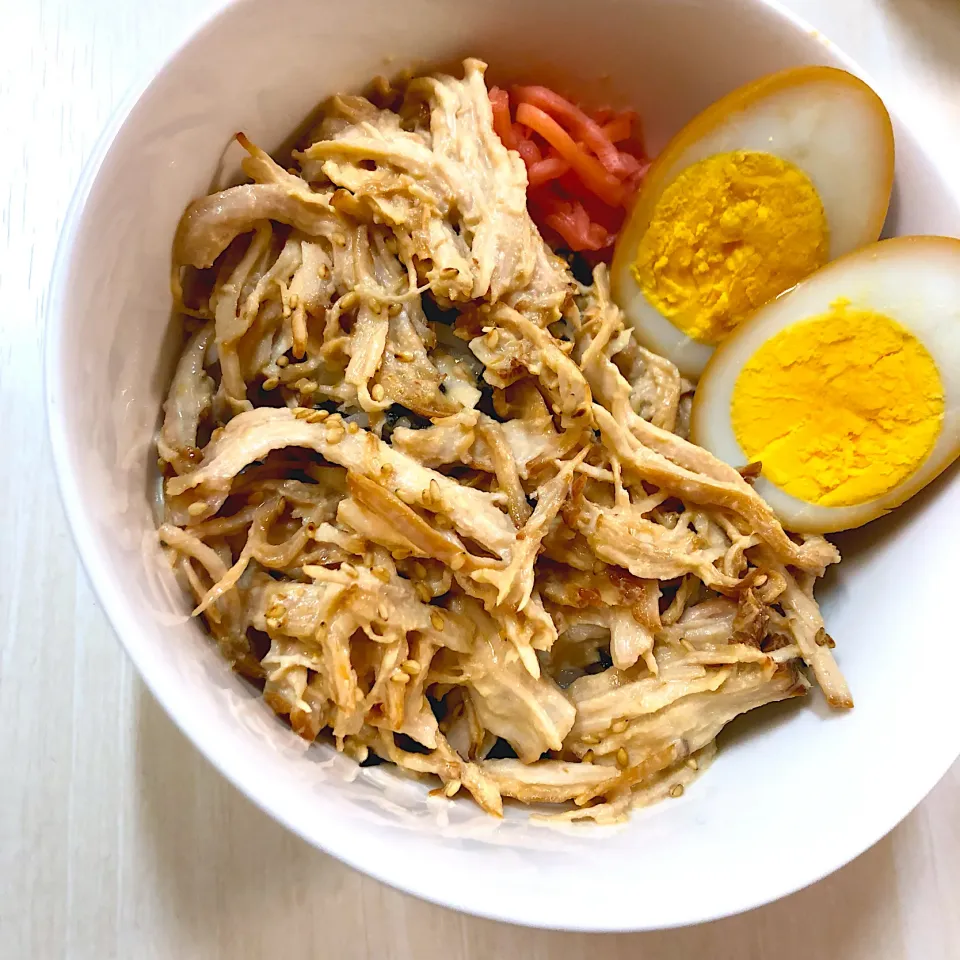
(394,310)
(442,522)
(317,416)
(451,789)
(623,758)
(307,386)
(353,427)
(400,677)
(493,338)
(339,239)
(350,571)
(378,393)
(619,726)
(590,738)
(334,434)
(436,621)
(386,471)
(458,561)
(419,570)
(692,763)
(272,623)
(275,611)
(381,573)
(588,757)
(423,592)
(383,611)
(410,666)
(195,509)
(434,491)
(282,361)
(404,356)
(301,413)
(676,790)
(271,383)
(400,554)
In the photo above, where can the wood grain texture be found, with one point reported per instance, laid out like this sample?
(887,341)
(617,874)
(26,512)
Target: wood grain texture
(116,838)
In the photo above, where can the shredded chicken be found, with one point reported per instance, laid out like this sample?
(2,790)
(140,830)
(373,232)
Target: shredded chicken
(433,497)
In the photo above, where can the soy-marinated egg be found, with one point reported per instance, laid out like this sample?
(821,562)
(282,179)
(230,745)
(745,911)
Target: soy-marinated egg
(846,390)
(754,194)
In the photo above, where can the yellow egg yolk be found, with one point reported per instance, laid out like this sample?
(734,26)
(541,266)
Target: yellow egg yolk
(839,409)
(728,234)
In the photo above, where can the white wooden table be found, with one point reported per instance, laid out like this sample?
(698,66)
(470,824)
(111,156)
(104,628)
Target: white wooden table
(116,838)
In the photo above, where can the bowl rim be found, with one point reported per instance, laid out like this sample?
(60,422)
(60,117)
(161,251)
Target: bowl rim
(123,623)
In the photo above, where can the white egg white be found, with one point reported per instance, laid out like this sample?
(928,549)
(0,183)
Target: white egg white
(826,121)
(912,280)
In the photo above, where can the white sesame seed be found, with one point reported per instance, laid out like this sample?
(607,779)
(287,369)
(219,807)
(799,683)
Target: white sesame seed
(423,592)
(450,789)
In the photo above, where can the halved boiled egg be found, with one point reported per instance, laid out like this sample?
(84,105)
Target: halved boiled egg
(846,389)
(753,195)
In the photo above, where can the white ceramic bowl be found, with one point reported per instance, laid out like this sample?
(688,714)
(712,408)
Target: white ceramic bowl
(797,792)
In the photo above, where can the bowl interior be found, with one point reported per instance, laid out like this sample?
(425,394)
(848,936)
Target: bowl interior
(730,843)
